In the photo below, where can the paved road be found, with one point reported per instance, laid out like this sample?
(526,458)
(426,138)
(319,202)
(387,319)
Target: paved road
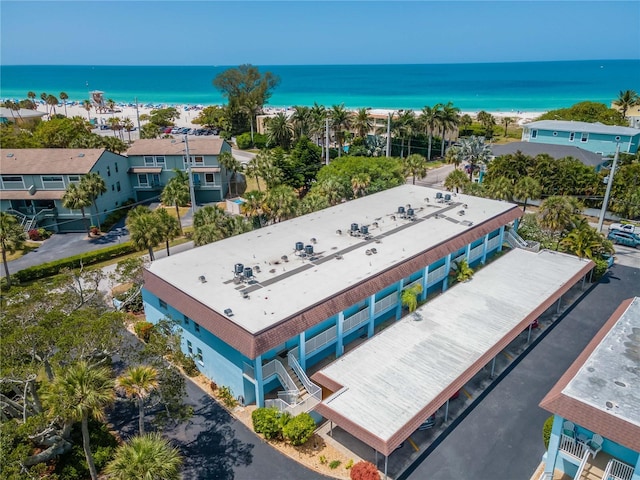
(501,438)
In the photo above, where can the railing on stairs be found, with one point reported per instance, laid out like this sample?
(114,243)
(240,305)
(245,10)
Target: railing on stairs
(617,470)
(546,476)
(22,218)
(274,367)
(516,241)
(583,462)
(313,389)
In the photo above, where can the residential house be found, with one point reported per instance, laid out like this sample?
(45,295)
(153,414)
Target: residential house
(556,151)
(595,137)
(33,182)
(596,405)
(152,163)
(22,115)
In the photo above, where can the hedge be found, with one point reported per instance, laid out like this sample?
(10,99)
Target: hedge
(88,258)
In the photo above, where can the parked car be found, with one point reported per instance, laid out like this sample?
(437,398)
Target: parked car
(624,238)
(625,227)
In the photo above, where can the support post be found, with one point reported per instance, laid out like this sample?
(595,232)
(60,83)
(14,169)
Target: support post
(493,366)
(605,202)
(559,303)
(302,354)
(339,342)
(447,267)
(257,370)
(584,279)
(446,411)
(372,316)
(501,238)
(399,307)
(386,461)
(529,333)
(425,281)
(485,245)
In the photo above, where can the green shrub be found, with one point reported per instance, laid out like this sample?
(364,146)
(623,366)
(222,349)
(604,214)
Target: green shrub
(134,305)
(88,258)
(349,464)
(299,429)
(187,363)
(260,141)
(226,395)
(143,330)
(243,141)
(600,269)
(334,464)
(117,215)
(546,431)
(323,460)
(267,422)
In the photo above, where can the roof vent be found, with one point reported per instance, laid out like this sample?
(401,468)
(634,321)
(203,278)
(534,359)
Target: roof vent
(238,269)
(32,190)
(400,210)
(368,252)
(374,250)
(284,258)
(202,279)
(228,312)
(393,217)
(81,155)
(354,227)
(256,269)
(338,232)
(338,257)
(9,155)
(299,246)
(313,240)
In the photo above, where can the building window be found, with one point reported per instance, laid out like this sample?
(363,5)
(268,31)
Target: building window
(200,357)
(116,165)
(73,178)
(196,327)
(53,181)
(534,133)
(572,135)
(108,171)
(118,186)
(185,319)
(142,180)
(113,188)
(149,162)
(10,182)
(160,162)
(585,137)
(209,179)
(162,303)
(195,161)
(189,347)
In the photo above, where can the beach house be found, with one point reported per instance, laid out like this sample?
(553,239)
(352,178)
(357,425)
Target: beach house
(33,182)
(530,149)
(152,163)
(20,116)
(596,405)
(595,137)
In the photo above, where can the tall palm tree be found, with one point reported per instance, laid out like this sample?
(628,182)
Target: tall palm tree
(465,122)
(254,205)
(32,96)
(555,214)
(138,383)
(52,101)
(12,238)
(500,188)
(282,202)
(86,104)
(458,180)
(279,131)
(415,165)
(144,229)
(475,153)
(176,192)
(429,118)
(127,124)
(506,121)
(253,169)
(405,125)
(81,392)
(449,121)
(93,185)
(43,97)
(114,124)
(488,121)
(626,100)
(64,97)
(317,122)
(252,106)
(454,155)
(145,457)
(339,121)
(232,166)
(362,122)
(167,225)
(359,183)
(301,121)
(75,198)
(526,188)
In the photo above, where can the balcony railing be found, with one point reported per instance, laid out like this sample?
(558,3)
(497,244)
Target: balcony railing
(572,447)
(355,320)
(386,302)
(617,470)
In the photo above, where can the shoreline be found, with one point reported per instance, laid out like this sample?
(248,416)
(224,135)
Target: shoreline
(188,113)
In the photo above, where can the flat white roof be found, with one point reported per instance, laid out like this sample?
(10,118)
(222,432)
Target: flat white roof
(608,380)
(390,378)
(283,288)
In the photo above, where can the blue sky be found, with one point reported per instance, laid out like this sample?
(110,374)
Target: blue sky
(264,32)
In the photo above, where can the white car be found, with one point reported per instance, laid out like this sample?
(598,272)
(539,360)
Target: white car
(625,227)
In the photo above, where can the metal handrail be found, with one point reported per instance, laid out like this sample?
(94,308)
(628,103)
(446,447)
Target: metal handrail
(571,446)
(274,367)
(617,470)
(313,389)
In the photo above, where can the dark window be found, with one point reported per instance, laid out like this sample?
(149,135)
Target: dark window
(113,188)
(116,164)
(185,319)
(118,186)
(162,303)
(108,171)
(189,347)
(200,357)
(196,327)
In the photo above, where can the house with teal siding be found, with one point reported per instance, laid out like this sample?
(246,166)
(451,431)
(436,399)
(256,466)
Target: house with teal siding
(595,137)
(152,163)
(596,405)
(33,181)
(259,310)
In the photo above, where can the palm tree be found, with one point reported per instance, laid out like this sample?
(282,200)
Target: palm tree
(339,121)
(75,197)
(127,124)
(506,121)
(111,105)
(458,180)
(626,100)
(555,214)
(254,205)
(93,185)
(586,242)
(43,97)
(114,124)
(409,297)
(81,392)
(64,97)
(332,189)
(449,120)
(229,162)
(12,238)
(252,105)
(253,169)
(526,188)
(359,183)
(312,202)
(281,202)
(144,229)
(145,457)
(52,101)
(317,119)
(167,225)
(138,383)
(362,122)
(32,96)
(176,192)
(279,131)
(86,104)
(475,153)
(429,118)
(301,121)
(454,155)
(465,121)
(488,121)
(500,188)
(416,166)
(210,224)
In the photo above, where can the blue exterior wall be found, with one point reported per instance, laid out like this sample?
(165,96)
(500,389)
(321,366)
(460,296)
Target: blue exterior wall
(595,142)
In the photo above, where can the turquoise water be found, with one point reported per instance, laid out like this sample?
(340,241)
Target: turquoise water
(527,86)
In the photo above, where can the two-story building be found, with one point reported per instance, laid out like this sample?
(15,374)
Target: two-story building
(596,405)
(152,163)
(33,182)
(595,137)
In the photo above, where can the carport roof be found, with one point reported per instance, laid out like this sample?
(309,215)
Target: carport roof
(386,387)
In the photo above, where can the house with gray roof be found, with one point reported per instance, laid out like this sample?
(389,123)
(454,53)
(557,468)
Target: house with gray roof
(595,137)
(21,115)
(556,151)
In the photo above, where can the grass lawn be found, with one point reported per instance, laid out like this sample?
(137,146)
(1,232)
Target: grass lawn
(172,210)
(253,185)
(28,246)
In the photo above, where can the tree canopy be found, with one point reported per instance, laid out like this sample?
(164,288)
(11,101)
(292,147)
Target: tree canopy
(587,112)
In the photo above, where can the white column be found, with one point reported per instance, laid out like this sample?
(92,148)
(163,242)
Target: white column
(485,245)
(425,276)
(339,342)
(302,354)
(372,316)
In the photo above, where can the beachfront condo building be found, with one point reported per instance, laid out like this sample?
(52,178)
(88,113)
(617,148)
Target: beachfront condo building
(152,163)
(33,182)
(257,310)
(596,405)
(595,137)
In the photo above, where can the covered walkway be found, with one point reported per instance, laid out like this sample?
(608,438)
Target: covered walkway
(383,390)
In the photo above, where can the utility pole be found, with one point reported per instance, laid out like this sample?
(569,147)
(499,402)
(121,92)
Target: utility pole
(389,135)
(192,192)
(326,135)
(605,202)
(137,114)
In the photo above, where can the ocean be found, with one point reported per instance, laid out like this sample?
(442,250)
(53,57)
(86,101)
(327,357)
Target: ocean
(505,87)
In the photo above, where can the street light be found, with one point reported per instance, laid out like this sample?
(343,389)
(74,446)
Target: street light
(192,192)
(605,202)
